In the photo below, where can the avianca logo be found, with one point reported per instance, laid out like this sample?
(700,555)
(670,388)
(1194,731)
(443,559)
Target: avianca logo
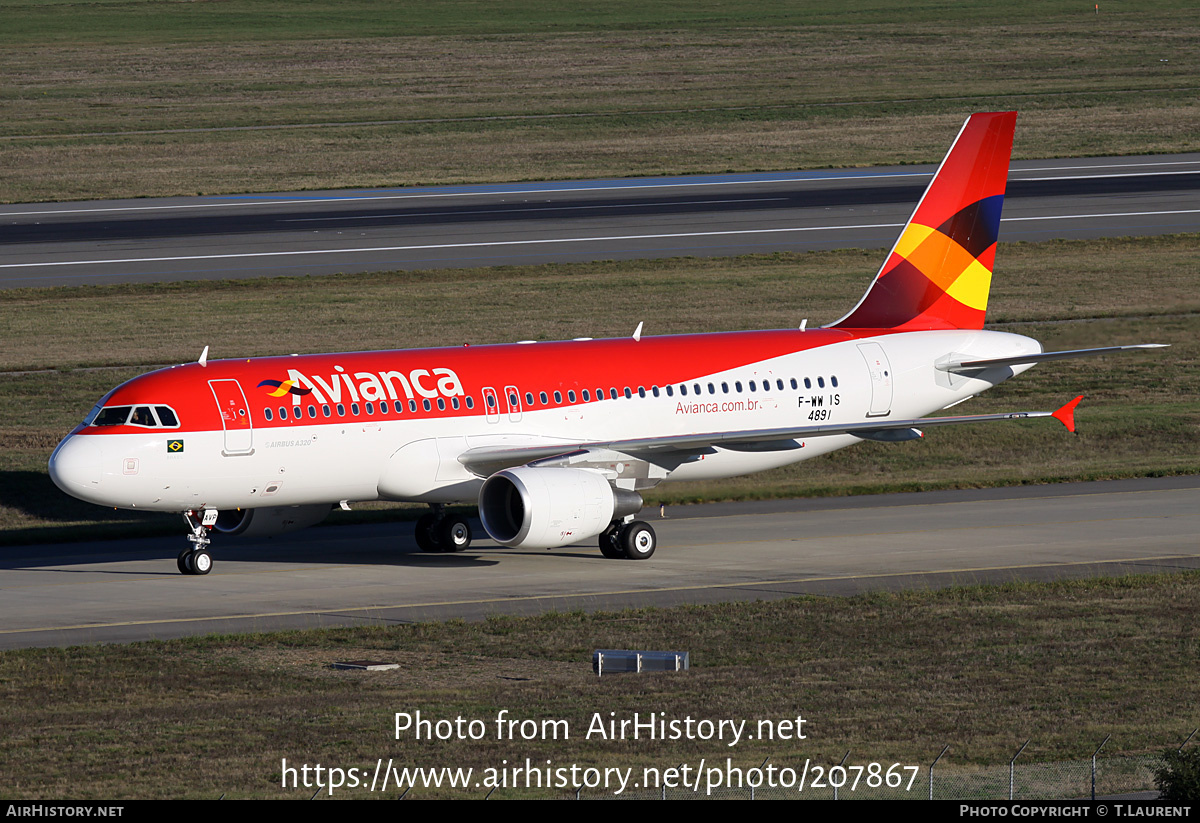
(283,387)
(364,385)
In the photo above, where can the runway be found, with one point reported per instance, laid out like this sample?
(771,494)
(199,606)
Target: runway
(315,233)
(354,575)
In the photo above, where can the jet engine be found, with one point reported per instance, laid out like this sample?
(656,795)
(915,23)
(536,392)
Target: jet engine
(270,520)
(541,507)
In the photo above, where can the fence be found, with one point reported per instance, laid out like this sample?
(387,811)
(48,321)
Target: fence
(1093,777)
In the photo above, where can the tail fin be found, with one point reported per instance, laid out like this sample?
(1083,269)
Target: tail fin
(940,270)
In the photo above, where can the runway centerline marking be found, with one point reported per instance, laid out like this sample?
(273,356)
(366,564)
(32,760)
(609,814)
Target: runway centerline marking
(543,241)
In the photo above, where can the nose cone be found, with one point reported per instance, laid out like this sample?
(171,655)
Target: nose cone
(75,467)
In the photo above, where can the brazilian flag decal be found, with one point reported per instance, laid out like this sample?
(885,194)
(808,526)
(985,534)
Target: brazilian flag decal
(174,446)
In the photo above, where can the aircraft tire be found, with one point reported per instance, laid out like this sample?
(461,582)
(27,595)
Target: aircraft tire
(454,533)
(200,562)
(427,533)
(638,540)
(609,545)
(182,561)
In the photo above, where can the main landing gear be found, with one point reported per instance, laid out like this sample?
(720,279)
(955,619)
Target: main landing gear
(440,532)
(196,559)
(634,540)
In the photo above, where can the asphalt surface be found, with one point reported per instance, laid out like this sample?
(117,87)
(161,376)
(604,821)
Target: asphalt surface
(351,231)
(71,594)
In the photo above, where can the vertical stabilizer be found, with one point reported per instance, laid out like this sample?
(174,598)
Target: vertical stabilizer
(940,271)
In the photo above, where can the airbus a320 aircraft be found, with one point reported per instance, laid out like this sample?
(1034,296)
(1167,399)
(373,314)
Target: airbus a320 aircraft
(555,441)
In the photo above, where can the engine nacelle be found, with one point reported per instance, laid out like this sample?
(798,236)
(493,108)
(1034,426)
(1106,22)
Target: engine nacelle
(542,507)
(270,520)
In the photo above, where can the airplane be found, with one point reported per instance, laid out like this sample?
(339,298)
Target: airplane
(555,442)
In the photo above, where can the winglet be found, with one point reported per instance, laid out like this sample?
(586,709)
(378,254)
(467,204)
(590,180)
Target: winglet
(1067,414)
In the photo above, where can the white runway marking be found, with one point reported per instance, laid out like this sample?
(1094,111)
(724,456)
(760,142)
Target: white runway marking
(496,243)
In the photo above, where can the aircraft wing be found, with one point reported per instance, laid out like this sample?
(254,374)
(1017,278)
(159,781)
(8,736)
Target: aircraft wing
(675,449)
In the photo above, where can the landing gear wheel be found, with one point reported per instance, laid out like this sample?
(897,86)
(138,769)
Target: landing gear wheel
(454,533)
(609,544)
(427,533)
(189,561)
(200,562)
(638,540)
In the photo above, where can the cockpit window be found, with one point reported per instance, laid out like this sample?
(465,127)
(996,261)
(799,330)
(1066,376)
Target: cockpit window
(142,416)
(145,416)
(112,416)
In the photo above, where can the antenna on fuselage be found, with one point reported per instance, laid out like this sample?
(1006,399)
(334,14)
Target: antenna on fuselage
(203,361)
(637,333)
(803,324)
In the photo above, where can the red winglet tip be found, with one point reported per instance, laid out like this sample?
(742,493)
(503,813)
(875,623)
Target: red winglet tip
(1067,414)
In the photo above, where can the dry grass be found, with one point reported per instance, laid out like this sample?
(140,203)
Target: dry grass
(616,103)
(891,677)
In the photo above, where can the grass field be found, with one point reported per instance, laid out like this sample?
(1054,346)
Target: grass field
(887,677)
(130,99)
(1140,414)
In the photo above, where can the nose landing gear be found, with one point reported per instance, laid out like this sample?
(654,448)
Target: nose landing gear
(197,559)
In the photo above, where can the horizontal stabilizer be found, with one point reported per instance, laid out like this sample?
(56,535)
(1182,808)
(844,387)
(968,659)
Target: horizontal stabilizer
(976,365)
